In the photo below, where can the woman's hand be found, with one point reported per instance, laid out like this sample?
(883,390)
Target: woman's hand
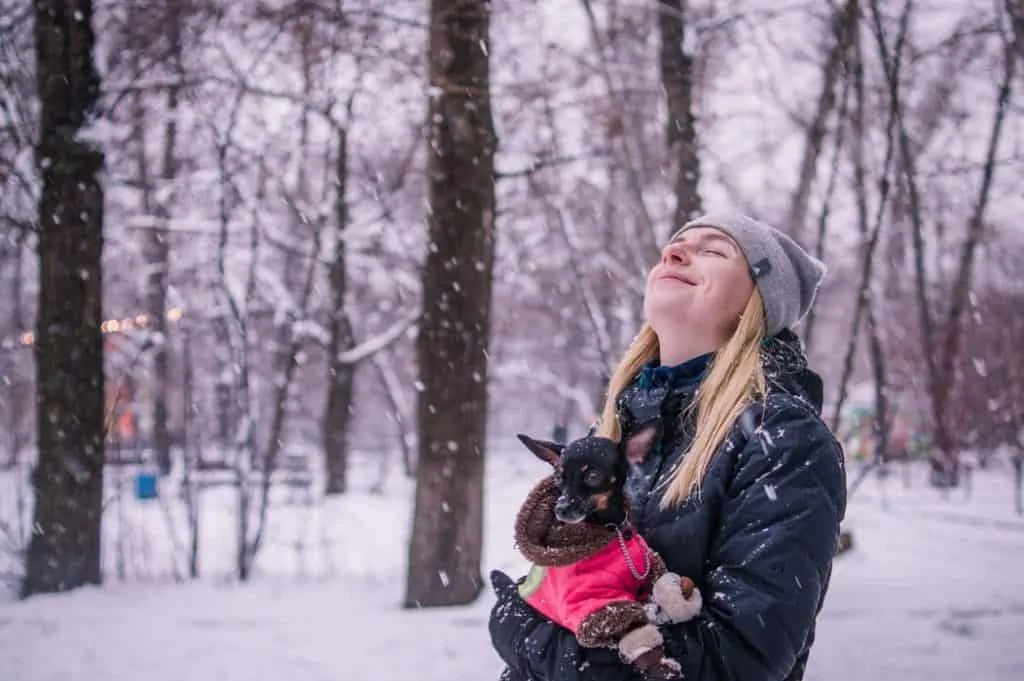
(674,599)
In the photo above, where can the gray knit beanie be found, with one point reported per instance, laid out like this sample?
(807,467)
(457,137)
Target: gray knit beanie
(785,274)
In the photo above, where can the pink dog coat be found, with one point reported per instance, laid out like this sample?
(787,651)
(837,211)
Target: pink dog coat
(567,594)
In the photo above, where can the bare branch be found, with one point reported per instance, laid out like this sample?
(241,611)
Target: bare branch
(541,164)
(382,340)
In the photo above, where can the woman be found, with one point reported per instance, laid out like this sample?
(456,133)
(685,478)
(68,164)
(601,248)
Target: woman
(744,488)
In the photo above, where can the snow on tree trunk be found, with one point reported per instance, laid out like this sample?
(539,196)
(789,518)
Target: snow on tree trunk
(64,551)
(447,533)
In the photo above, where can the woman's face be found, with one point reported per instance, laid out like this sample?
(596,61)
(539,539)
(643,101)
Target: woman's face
(700,287)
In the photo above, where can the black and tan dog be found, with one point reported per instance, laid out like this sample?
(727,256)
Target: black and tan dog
(592,572)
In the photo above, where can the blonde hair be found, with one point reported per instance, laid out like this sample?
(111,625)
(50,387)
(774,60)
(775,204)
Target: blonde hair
(734,380)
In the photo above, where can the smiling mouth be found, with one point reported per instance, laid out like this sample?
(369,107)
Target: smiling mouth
(677,277)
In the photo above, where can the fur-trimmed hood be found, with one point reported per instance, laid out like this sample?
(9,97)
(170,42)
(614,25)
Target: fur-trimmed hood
(544,540)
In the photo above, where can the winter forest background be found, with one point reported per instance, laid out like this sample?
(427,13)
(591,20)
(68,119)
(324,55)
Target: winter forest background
(283,279)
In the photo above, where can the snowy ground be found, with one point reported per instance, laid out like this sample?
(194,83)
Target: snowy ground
(934,590)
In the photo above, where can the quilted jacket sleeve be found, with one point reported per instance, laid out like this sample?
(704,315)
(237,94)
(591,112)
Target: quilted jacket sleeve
(772,560)
(768,568)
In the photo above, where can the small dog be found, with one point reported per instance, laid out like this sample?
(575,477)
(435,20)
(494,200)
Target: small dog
(592,573)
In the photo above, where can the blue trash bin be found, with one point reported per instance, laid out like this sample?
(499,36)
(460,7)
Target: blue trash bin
(146,485)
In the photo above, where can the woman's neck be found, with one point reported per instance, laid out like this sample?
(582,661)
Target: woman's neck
(682,350)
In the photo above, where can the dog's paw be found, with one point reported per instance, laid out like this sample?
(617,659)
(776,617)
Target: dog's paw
(677,598)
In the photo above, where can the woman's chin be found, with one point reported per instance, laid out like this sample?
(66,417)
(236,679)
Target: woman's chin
(666,312)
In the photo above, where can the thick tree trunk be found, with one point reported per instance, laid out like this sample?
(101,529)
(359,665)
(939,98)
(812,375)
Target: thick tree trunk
(447,533)
(677,78)
(64,551)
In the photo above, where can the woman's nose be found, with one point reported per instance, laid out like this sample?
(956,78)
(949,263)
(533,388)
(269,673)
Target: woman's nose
(675,253)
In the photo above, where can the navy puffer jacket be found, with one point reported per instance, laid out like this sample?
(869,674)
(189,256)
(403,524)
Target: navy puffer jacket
(759,539)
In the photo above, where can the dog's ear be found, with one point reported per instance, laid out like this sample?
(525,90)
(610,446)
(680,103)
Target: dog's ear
(638,445)
(545,451)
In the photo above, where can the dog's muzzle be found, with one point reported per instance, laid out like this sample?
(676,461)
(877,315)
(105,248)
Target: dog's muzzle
(570,510)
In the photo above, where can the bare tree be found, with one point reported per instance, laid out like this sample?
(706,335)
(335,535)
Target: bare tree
(64,552)
(940,375)
(156,193)
(943,383)
(447,534)
(842,31)
(643,244)
(870,235)
(341,375)
(157,247)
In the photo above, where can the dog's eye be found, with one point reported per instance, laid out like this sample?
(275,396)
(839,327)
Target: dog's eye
(593,478)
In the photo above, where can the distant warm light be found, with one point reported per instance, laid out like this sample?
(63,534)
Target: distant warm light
(116,325)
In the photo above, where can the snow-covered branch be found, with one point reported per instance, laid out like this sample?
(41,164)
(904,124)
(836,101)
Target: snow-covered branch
(377,343)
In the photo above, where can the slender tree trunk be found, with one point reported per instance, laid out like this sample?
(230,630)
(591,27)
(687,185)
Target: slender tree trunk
(158,252)
(826,204)
(676,59)
(155,245)
(943,461)
(843,27)
(882,420)
(1018,481)
(190,444)
(1015,10)
(447,532)
(960,293)
(64,552)
(394,393)
(870,236)
(340,375)
(20,389)
(642,246)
